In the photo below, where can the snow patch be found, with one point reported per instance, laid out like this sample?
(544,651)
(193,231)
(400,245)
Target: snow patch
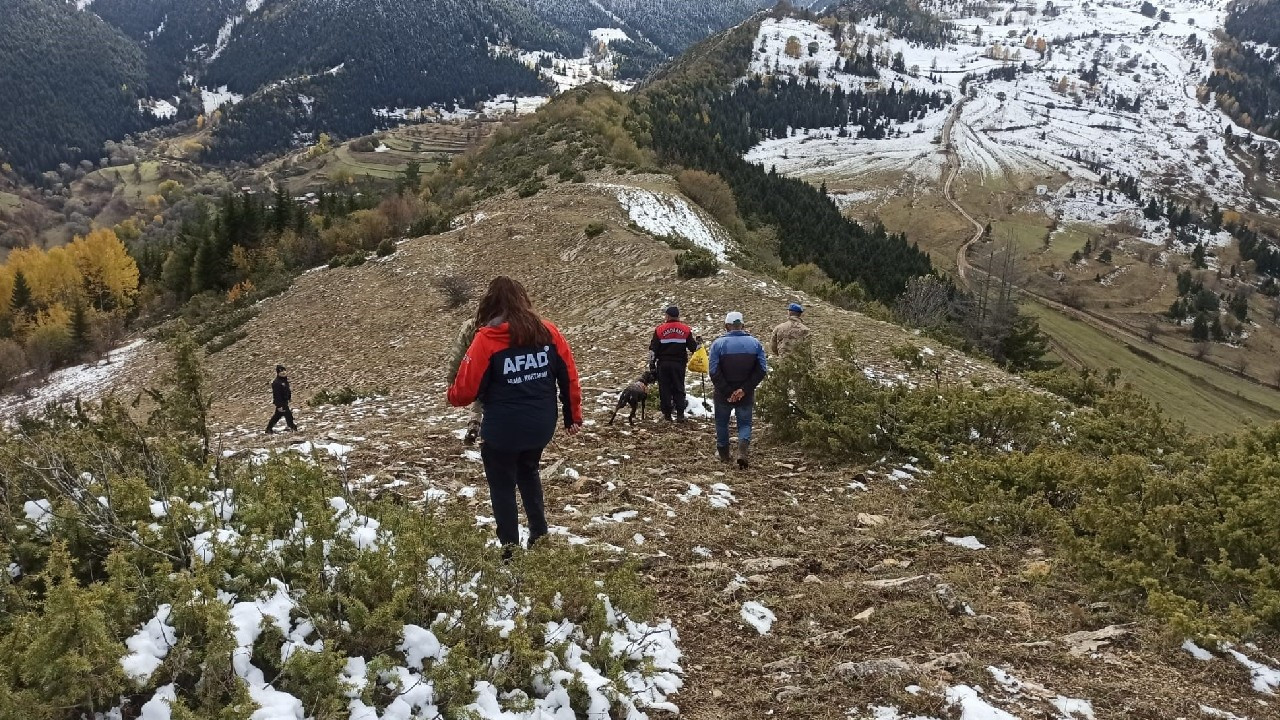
(39,513)
(608,35)
(972,706)
(758,616)
(968,542)
(1196,651)
(666,214)
(149,646)
(211,100)
(82,381)
(1265,677)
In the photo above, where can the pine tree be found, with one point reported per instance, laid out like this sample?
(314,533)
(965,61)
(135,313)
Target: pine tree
(282,210)
(21,302)
(80,330)
(1200,329)
(1197,256)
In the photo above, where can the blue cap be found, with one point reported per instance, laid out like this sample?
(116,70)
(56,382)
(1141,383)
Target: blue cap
(673,311)
(796,308)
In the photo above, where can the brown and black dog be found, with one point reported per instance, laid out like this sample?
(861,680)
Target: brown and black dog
(635,395)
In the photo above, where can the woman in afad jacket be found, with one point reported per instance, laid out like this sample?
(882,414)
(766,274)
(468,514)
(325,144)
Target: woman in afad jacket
(514,367)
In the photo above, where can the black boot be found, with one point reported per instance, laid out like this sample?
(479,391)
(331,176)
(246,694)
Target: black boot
(744,450)
(724,453)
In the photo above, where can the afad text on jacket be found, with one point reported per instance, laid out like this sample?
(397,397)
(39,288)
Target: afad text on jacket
(518,388)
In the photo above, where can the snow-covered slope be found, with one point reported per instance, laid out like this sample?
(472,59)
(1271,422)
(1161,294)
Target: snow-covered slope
(1142,116)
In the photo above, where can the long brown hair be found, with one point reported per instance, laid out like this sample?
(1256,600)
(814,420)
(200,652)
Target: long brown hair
(507,299)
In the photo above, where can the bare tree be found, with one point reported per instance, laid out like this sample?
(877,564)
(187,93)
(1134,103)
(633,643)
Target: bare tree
(1150,328)
(924,304)
(456,289)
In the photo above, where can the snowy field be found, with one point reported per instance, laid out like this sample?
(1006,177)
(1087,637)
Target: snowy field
(597,63)
(82,381)
(669,215)
(1050,122)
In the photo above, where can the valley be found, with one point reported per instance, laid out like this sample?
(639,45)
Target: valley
(1058,104)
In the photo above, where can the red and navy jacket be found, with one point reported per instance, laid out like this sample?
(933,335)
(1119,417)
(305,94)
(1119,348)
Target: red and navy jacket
(672,342)
(518,388)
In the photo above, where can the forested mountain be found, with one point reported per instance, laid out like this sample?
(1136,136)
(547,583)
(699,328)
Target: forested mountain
(68,82)
(1245,81)
(170,32)
(698,114)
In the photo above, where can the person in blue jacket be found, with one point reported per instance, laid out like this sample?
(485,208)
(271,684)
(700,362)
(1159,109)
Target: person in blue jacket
(737,367)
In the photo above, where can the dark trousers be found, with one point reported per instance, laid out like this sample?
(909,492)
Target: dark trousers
(671,387)
(506,472)
(287,414)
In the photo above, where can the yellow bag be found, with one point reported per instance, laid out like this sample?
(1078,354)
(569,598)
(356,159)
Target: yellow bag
(699,363)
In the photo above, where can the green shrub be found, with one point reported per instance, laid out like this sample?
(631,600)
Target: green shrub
(48,347)
(1184,533)
(835,410)
(351,571)
(386,247)
(1181,527)
(355,259)
(594,229)
(222,343)
(345,395)
(530,187)
(225,323)
(696,263)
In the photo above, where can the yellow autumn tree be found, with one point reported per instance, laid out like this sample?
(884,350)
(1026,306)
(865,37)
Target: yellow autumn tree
(108,274)
(52,275)
(793,47)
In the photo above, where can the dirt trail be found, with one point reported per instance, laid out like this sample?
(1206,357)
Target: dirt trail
(951,171)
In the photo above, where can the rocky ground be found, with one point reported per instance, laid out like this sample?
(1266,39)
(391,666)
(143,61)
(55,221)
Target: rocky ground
(874,609)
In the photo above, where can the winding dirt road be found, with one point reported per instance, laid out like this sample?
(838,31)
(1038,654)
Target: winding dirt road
(1105,325)
(952,170)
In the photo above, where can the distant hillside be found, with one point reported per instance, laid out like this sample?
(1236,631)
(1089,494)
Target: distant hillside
(171,33)
(69,82)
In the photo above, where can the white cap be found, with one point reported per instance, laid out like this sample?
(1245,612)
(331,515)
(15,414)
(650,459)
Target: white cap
(733,318)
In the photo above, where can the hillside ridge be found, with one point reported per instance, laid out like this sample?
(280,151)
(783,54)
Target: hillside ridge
(877,611)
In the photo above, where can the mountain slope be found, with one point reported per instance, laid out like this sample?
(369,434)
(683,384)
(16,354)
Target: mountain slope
(69,82)
(171,33)
(874,610)
(296,63)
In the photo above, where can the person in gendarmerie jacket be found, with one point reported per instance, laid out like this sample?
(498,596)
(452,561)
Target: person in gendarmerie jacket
(669,349)
(281,396)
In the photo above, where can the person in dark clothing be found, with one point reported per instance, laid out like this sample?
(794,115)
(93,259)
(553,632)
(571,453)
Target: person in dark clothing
(669,350)
(281,396)
(514,367)
(737,365)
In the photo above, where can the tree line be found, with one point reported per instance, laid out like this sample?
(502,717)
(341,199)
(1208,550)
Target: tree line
(763,108)
(702,128)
